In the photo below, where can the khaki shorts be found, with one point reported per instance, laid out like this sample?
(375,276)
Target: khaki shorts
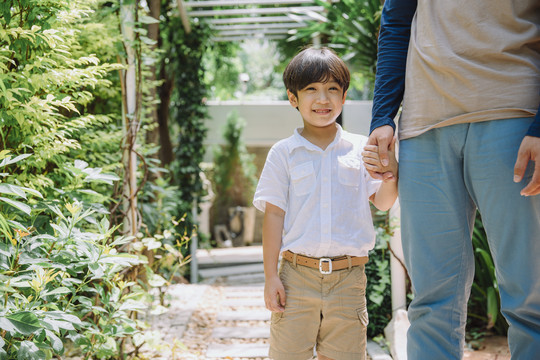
(326,311)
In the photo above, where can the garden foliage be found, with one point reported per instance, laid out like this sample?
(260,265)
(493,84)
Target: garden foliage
(69,283)
(46,83)
(62,282)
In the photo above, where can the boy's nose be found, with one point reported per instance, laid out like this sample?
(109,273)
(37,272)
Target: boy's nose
(323,96)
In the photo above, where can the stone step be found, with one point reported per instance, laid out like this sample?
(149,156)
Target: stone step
(251,315)
(246,279)
(231,270)
(256,350)
(238,302)
(241,332)
(229,256)
(245,294)
(243,288)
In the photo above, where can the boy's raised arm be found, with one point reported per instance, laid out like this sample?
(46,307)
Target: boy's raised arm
(274,292)
(387,194)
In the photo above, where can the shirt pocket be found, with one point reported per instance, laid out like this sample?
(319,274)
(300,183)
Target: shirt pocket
(350,171)
(303,178)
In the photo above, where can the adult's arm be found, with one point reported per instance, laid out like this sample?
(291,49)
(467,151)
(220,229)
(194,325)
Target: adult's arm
(529,151)
(393,45)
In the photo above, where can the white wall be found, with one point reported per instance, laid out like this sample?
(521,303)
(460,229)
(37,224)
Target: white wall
(267,122)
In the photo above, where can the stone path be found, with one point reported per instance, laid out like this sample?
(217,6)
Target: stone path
(243,317)
(224,316)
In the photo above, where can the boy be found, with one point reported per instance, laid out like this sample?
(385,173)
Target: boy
(315,192)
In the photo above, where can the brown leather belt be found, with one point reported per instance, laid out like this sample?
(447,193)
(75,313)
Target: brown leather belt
(326,265)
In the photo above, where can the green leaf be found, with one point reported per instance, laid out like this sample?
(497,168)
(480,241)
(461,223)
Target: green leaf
(63,316)
(29,351)
(151,243)
(5,324)
(25,322)
(121,259)
(148,20)
(8,160)
(17,204)
(122,240)
(156,280)
(96,175)
(56,343)
(12,190)
(56,325)
(58,291)
(492,307)
(131,305)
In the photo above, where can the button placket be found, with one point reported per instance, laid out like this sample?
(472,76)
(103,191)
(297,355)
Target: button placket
(326,198)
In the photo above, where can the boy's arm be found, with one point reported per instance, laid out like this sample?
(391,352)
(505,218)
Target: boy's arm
(387,193)
(386,196)
(274,292)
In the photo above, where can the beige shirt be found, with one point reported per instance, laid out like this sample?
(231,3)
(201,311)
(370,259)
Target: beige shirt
(470,61)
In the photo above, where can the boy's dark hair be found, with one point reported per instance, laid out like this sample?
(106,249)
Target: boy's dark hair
(315,65)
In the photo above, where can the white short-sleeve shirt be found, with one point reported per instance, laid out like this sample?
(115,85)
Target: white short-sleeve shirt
(324,193)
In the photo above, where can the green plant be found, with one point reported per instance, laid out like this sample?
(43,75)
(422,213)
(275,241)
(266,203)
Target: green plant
(183,93)
(63,283)
(233,176)
(351,28)
(378,288)
(484,303)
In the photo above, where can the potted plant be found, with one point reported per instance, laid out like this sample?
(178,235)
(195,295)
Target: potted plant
(234,180)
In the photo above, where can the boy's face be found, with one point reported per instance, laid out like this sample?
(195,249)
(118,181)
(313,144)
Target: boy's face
(319,103)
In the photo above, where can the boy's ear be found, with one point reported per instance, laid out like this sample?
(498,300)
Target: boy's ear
(292,99)
(344,97)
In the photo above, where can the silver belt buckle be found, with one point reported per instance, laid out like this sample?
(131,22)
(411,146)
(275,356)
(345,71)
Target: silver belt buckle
(329,262)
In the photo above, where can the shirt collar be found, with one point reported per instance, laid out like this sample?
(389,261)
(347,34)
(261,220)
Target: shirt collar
(299,141)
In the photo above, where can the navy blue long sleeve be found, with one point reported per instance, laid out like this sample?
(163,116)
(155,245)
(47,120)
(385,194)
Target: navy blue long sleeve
(394,38)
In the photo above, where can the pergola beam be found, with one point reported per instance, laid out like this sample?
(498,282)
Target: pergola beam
(212,3)
(258,19)
(257,11)
(253,32)
(284,25)
(243,37)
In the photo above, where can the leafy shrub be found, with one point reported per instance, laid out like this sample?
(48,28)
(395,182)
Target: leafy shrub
(378,289)
(64,282)
(46,83)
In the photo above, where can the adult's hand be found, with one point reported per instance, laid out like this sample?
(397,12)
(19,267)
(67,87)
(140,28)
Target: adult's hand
(528,151)
(382,137)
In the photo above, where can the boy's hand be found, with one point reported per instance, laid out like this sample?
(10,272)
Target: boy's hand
(373,163)
(274,294)
(382,137)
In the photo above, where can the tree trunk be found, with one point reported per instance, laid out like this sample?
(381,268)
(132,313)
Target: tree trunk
(153,137)
(130,117)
